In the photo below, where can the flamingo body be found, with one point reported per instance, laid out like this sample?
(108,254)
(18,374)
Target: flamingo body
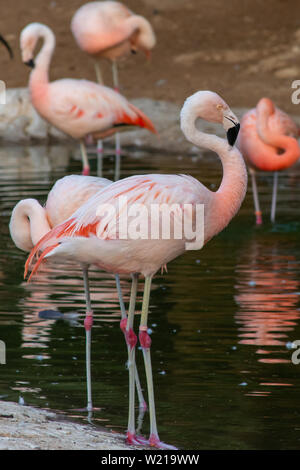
(110,30)
(267,138)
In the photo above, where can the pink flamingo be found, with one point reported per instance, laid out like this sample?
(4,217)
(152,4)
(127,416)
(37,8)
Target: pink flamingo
(111,31)
(268,143)
(87,237)
(30,222)
(77,107)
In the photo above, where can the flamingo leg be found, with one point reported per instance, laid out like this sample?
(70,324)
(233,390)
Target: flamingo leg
(100,80)
(88,323)
(131,340)
(145,342)
(258,213)
(142,402)
(85,160)
(274,197)
(117,135)
(99,158)
(98,73)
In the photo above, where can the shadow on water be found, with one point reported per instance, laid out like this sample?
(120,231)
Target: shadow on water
(222,319)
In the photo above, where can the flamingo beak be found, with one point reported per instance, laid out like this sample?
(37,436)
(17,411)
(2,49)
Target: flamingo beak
(30,63)
(232,134)
(7,46)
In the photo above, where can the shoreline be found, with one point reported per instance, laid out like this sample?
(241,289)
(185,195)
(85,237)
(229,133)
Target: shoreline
(24,427)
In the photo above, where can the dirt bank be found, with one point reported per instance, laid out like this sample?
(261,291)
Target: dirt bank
(27,428)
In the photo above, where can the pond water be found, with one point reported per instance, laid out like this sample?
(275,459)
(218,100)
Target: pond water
(223,319)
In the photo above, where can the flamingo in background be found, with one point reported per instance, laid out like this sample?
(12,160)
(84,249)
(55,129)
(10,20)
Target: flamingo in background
(109,30)
(268,143)
(77,107)
(30,222)
(89,238)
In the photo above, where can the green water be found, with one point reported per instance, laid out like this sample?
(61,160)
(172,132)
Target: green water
(222,318)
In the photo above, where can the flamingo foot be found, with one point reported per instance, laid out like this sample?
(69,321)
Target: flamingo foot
(155,442)
(86,171)
(132,439)
(258,218)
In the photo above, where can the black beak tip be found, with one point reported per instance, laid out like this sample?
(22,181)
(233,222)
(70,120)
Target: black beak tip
(30,63)
(232,134)
(11,54)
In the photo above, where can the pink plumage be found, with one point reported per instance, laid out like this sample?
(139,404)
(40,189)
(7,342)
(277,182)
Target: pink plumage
(88,237)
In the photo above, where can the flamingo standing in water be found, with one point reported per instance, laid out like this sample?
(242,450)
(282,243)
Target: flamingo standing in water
(268,143)
(30,222)
(77,107)
(109,30)
(88,237)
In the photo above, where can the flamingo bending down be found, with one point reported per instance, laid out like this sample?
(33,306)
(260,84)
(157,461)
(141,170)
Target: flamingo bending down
(77,107)
(110,30)
(30,222)
(87,237)
(268,143)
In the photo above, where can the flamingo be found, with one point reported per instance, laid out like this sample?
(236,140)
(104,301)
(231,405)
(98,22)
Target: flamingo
(30,222)
(110,30)
(268,143)
(77,107)
(88,236)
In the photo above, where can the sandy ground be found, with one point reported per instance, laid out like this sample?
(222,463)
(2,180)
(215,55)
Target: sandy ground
(241,49)
(28,428)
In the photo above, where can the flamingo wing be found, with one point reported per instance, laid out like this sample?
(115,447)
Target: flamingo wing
(100,215)
(81,107)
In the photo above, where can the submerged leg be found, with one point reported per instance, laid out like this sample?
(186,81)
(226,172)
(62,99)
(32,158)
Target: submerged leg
(117,135)
(131,340)
(274,197)
(85,160)
(88,323)
(142,402)
(258,213)
(145,342)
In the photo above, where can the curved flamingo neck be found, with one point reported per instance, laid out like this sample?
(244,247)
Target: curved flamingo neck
(145,36)
(288,146)
(40,73)
(28,224)
(229,196)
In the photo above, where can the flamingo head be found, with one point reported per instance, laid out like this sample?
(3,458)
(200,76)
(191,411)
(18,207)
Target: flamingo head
(266,105)
(211,107)
(144,39)
(29,38)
